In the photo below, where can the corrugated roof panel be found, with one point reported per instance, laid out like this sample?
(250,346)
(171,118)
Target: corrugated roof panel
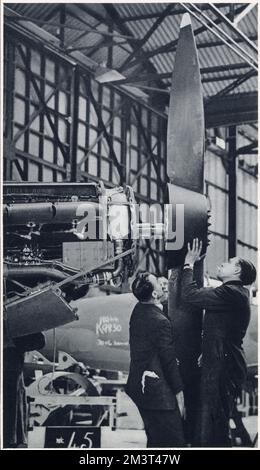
(166,33)
(72,35)
(139,30)
(212,88)
(35,10)
(221,53)
(118,57)
(89,10)
(132,9)
(250,85)
(164,63)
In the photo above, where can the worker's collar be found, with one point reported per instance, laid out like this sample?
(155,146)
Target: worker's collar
(235,281)
(158,305)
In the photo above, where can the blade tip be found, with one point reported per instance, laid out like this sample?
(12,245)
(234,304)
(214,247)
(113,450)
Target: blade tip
(186,20)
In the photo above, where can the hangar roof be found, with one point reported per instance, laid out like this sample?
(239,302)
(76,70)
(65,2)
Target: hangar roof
(136,43)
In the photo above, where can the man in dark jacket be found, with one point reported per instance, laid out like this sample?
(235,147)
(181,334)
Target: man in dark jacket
(225,323)
(154,382)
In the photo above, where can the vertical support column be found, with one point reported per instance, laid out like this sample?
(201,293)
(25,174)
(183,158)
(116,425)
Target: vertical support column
(41,119)
(74,124)
(232,200)
(62,24)
(8,115)
(231,12)
(26,56)
(125,137)
(127,157)
(110,48)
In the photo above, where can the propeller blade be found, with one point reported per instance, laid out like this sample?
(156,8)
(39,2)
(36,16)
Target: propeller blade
(185,140)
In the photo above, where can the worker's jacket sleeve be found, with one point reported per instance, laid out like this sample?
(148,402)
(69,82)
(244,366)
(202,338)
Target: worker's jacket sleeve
(206,296)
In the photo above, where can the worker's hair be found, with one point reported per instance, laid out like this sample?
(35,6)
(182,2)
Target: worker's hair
(142,288)
(248,272)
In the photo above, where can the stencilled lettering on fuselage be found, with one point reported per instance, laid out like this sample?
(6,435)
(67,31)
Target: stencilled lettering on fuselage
(109,331)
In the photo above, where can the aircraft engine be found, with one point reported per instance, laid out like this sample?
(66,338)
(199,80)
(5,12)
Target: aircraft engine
(59,238)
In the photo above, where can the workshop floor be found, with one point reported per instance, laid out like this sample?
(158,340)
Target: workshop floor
(129,433)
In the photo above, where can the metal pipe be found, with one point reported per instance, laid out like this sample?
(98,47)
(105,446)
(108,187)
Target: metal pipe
(232,199)
(34,272)
(243,13)
(28,271)
(85,272)
(74,104)
(249,60)
(119,247)
(49,213)
(232,26)
(222,31)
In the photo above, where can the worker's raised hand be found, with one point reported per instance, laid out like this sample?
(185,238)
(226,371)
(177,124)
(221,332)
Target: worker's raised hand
(194,253)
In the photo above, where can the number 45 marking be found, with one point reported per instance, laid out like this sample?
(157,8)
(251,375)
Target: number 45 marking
(86,437)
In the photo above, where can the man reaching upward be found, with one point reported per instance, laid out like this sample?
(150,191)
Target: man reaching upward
(227,315)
